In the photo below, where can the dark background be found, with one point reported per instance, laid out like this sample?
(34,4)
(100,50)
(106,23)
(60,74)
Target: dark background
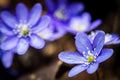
(44,64)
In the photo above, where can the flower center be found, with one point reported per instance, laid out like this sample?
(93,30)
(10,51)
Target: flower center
(23,30)
(91,59)
(80,28)
(59,14)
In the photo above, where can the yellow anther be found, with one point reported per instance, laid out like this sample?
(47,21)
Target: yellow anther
(91,59)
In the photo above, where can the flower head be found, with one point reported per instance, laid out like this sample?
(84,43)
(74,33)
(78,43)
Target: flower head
(82,24)
(60,13)
(89,55)
(5,56)
(24,28)
(52,32)
(62,10)
(109,38)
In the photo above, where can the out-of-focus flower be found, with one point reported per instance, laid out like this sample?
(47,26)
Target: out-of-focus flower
(60,13)
(89,55)
(82,23)
(109,38)
(5,56)
(51,33)
(24,28)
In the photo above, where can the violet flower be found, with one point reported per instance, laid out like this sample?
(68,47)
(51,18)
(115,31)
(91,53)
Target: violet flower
(24,28)
(52,33)
(60,13)
(109,38)
(5,56)
(89,55)
(82,24)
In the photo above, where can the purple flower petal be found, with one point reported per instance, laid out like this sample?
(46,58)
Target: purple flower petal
(22,46)
(35,14)
(9,19)
(75,8)
(92,68)
(76,70)
(50,5)
(71,57)
(116,41)
(43,23)
(79,24)
(22,12)
(9,43)
(7,58)
(94,24)
(5,30)
(98,42)
(36,41)
(112,39)
(82,42)
(62,2)
(59,31)
(86,17)
(104,55)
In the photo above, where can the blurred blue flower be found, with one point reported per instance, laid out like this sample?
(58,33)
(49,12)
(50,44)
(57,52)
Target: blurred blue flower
(82,23)
(89,55)
(52,33)
(5,56)
(109,38)
(60,13)
(23,28)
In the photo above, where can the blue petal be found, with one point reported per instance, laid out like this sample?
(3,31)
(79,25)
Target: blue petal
(9,19)
(9,43)
(86,17)
(5,30)
(62,2)
(92,68)
(7,58)
(116,41)
(22,12)
(95,24)
(35,14)
(98,42)
(36,41)
(43,23)
(83,43)
(75,8)
(22,46)
(76,70)
(50,5)
(71,57)
(104,55)
(60,31)
(113,40)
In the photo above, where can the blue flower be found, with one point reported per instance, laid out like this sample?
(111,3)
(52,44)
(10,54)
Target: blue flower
(62,10)
(89,55)
(5,56)
(82,23)
(109,38)
(23,29)
(60,13)
(52,33)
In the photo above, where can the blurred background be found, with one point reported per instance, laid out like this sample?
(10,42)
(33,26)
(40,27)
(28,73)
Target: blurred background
(44,64)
